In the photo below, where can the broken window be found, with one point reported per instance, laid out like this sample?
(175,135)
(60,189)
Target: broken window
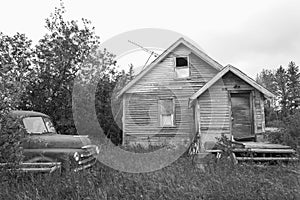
(166,112)
(182,69)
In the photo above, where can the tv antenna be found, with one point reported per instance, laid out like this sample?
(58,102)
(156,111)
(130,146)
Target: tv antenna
(146,50)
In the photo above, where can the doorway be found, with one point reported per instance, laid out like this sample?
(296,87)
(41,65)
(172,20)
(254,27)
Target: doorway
(241,116)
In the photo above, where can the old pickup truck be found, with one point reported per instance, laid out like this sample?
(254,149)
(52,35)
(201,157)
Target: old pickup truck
(46,150)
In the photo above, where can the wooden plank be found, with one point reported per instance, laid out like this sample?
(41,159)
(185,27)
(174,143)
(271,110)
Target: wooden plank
(267,158)
(214,151)
(230,114)
(263,113)
(124,119)
(252,113)
(261,145)
(266,150)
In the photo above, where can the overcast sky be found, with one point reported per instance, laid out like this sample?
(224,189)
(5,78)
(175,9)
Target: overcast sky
(250,35)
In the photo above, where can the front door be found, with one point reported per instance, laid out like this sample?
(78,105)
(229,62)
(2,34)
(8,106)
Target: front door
(241,115)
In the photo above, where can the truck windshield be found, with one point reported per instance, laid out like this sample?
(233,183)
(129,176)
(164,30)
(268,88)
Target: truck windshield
(38,125)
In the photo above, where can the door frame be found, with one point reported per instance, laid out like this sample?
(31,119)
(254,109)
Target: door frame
(251,97)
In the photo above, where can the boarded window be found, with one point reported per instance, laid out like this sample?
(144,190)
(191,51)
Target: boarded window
(166,112)
(182,69)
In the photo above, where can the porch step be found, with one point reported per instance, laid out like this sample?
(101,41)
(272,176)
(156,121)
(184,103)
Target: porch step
(261,145)
(289,151)
(267,158)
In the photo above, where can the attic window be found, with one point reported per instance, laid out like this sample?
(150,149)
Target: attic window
(181,61)
(182,69)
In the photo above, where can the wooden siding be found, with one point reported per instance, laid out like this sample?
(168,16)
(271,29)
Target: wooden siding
(215,108)
(259,117)
(214,112)
(141,123)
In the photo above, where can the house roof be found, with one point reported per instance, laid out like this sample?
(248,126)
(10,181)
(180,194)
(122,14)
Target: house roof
(180,41)
(238,73)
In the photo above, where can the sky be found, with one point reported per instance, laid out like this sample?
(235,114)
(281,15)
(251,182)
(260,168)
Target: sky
(250,35)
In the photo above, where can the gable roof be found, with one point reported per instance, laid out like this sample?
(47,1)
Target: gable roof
(181,40)
(238,73)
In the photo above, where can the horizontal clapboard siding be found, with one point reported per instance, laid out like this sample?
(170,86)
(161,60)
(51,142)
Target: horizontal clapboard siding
(215,111)
(141,120)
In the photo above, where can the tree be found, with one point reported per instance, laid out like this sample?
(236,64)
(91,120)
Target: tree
(267,79)
(15,73)
(59,55)
(281,79)
(293,86)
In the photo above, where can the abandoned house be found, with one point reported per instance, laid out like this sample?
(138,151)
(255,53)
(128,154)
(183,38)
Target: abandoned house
(184,93)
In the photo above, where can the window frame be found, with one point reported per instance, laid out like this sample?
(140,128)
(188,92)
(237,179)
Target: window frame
(43,120)
(182,67)
(160,113)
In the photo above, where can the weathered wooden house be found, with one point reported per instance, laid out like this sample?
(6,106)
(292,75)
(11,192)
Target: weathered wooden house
(184,93)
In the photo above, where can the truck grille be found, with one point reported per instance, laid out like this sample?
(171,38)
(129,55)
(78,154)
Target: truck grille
(87,157)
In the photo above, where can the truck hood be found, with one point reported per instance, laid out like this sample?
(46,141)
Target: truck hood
(55,141)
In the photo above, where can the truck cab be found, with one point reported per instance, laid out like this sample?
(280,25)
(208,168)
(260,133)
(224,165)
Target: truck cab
(42,144)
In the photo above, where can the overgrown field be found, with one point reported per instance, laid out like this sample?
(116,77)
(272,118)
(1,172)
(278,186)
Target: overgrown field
(181,180)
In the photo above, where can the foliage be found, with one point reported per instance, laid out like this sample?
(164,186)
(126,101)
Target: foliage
(281,86)
(69,51)
(42,78)
(181,180)
(58,57)
(282,136)
(285,83)
(275,123)
(15,69)
(15,72)
(267,79)
(293,85)
(225,145)
(11,135)
(293,124)
(288,132)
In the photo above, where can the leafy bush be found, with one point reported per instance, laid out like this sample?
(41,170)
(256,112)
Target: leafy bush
(275,123)
(282,137)
(288,133)
(10,137)
(15,72)
(292,124)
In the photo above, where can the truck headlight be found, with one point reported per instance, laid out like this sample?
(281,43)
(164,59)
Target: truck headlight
(76,156)
(97,150)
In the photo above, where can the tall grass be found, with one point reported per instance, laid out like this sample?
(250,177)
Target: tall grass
(181,180)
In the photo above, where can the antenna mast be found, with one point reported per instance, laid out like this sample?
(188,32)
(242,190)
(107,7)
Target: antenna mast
(143,48)
(146,50)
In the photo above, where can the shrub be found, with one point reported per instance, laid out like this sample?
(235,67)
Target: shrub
(282,137)
(288,133)
(292,124)
(11,134)
(275,123)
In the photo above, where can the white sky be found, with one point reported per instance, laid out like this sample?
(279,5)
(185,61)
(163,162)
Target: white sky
(250,35)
